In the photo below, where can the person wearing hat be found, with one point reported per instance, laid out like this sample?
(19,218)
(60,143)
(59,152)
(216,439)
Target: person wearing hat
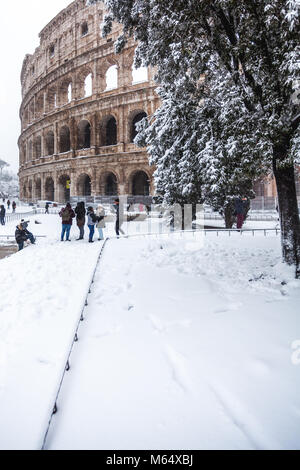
(100,212)
(22,234)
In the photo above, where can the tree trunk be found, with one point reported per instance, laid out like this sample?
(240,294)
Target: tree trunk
(288,213)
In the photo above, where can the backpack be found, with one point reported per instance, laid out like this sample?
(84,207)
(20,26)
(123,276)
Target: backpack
(65,216)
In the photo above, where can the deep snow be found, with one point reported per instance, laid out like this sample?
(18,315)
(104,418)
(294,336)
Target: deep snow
(187,343)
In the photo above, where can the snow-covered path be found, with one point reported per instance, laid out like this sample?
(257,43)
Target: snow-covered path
(186,345)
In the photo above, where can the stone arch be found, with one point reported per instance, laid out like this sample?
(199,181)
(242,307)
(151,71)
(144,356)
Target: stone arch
(49,141)
(37,147)
(108,131)
(109,183)
(38,188)
(29,196)
(139,183)
(84,135)
(111,77)
(82,82)
(135,117)
(39,105)
(64,139)
(51,98)
(24,190)
(49,188)
(65,91)
(30,150)
(64,188)
(84,185)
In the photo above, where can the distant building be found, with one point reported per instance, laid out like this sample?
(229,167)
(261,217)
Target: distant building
(80,105)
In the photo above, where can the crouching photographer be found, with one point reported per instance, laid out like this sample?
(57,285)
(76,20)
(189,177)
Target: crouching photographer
(22,234)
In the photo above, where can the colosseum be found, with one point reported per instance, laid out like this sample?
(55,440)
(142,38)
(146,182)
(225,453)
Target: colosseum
(80,105)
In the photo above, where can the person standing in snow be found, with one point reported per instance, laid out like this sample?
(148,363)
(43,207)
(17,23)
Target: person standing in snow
(91,222)
(2,215)
(22,234)
(8,204)
(80,218)
(66,214)
(47,208)
(116,206)
(240,205)
(101,221)
(14,205)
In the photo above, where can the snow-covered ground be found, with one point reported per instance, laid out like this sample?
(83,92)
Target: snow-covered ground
(188,342)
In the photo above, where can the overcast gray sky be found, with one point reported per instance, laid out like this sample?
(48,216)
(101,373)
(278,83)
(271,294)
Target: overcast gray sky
(20,24)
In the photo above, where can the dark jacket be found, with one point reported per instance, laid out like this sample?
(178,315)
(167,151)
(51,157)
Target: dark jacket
(21,234)
(67,211)
(2,211)
(80,213)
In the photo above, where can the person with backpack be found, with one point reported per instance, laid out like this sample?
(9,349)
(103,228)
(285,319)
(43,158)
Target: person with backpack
(91,222)
(66,214)
(80,219)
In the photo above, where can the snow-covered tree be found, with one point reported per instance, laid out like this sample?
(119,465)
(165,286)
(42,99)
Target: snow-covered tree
(246,120)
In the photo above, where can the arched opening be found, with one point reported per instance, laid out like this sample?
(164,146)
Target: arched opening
(39,105)
(49,189)
(111,185)
(65,92)
(111,77)
(84,185)
(139,75)
(64,139)
(137,118)
(49,143)
(84,29)
(30,151)
(69,92)
(38,189)
(52,99)
(84,135)
(140,184)
(111,132)
(64,189)
(37,150)
(30,190)
(88,85)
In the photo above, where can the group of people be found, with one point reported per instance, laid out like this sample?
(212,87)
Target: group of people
(95,219)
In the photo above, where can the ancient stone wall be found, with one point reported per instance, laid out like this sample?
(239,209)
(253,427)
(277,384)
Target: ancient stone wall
(80,105)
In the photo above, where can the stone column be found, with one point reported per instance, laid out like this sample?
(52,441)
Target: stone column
(43,189)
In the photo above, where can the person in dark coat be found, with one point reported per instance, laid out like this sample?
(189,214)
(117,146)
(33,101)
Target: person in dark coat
(66,214)
(240,211)
(8,204)
(80,218)
(2,214)
(116,206)
(14,205)
(47,208)
(22,234)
